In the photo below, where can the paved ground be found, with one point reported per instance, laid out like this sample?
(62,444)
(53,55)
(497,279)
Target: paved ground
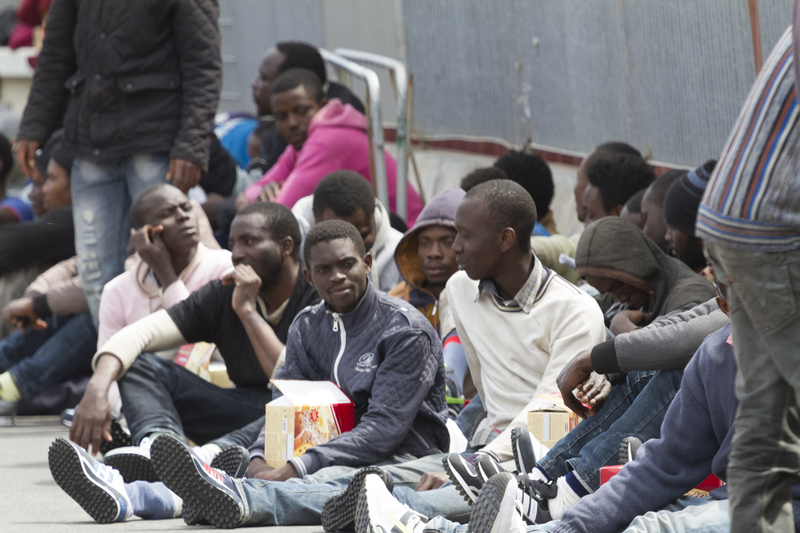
(31,502)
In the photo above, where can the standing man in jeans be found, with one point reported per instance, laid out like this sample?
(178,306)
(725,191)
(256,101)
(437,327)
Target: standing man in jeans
(137,84)
(750,221)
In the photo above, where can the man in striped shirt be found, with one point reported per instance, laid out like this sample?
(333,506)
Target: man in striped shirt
(750,221)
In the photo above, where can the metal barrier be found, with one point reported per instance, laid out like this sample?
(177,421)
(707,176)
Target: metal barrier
(402,83)
(377,159)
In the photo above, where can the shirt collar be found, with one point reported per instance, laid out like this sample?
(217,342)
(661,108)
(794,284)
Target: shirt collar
(524,298)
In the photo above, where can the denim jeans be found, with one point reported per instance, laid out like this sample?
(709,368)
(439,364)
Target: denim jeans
(635,407)
(471,416)
(159,395)
(101,199)
(299,501)
(40,359)
(763,291)
(684,515)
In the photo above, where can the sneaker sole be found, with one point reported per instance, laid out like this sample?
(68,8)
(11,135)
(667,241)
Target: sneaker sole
(339,512)
(469,494)
(175,467)
(234,461)
(362,519)
(67,470)
(485,511)
(132,467)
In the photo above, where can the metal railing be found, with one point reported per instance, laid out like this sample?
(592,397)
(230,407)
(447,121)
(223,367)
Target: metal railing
(372,106)
(402,84)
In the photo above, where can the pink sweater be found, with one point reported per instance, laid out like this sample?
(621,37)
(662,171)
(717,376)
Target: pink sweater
(337,140)
(133,294)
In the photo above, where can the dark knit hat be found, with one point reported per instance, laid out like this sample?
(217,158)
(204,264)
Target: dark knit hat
(683,198)
(54,149)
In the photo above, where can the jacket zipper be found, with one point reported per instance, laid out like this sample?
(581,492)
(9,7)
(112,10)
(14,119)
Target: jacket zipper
(338,325)
(424,442)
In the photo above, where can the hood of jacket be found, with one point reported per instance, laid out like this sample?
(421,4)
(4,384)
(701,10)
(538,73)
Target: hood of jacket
(440,211)
(614,248)
(335,114)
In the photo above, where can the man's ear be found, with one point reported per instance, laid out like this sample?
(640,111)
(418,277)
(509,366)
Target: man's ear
(307,275)
(287,246)
(508,239)
(368,262)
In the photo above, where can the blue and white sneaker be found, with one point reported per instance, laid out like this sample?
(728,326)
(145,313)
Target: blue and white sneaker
(210,492)
(97,487)
(379,512)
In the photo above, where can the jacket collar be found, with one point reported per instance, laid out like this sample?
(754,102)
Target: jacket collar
(525,297)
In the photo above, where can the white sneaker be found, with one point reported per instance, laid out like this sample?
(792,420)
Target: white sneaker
(378,511)
(98,488)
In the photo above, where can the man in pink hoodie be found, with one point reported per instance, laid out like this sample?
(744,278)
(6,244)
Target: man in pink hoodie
(322,136)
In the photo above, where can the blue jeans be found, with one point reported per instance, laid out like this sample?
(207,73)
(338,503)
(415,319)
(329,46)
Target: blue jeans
(686,515)
(471,416)
(101,199)
(763,291)
(635,407)
(159,395)
(299,501)
(39,359)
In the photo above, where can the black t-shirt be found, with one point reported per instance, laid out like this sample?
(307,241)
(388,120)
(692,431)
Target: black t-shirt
(207,316)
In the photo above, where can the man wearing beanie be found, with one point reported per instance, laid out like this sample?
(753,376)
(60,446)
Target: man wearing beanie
(680,212)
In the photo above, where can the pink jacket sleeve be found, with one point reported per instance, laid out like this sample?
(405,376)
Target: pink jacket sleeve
(279,173)
(315,161)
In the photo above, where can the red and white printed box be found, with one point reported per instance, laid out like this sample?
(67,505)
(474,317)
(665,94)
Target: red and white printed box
(308,414)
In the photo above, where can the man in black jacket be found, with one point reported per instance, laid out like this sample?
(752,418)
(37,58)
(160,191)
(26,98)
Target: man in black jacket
(137,84)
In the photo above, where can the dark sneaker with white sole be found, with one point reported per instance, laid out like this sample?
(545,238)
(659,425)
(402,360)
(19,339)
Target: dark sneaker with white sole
(522,448)
(468,478)
(379,512)
(120,436)
(338,513)
(96,487)
(201,487)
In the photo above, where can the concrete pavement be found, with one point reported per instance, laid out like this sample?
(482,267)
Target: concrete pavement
(31,502)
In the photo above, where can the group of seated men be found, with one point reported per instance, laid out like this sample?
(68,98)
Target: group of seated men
(465,315)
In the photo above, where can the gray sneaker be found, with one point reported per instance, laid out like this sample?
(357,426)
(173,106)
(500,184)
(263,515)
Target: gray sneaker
(8,410)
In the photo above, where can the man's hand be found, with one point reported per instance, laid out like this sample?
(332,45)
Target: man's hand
(247,286)
(25,152)
(148,243)
(269,192)
(593,392)
(572,375)
(431,480)
(183,174)
(92,419)
(283,473)
(20,313)
(627,320)
(241,202)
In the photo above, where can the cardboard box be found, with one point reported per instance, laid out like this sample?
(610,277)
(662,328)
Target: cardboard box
(551,420)
(308,414)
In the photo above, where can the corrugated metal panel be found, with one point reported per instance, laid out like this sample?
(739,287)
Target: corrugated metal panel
(668,76)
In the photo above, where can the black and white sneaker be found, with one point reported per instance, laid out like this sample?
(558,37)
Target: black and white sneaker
(132,462)
(522,447)
(379,512)
(628,449)
(339,512)
(534,497)
(498,509)
(202,487)
(97,488)
(468,478)
(234,461)
(120,436)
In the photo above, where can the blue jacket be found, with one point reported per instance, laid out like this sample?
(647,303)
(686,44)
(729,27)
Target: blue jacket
(388,359)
